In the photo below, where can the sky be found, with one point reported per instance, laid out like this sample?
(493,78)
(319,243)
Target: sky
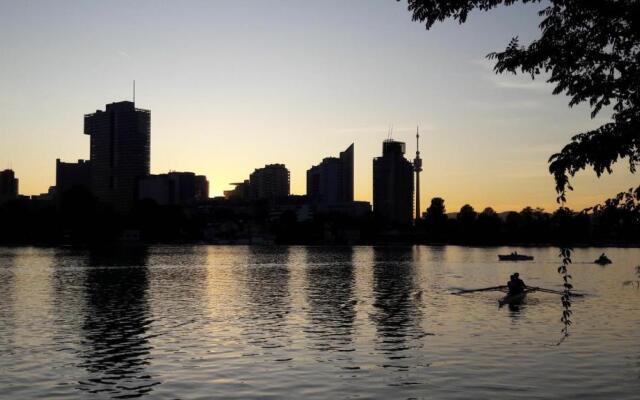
(235,85)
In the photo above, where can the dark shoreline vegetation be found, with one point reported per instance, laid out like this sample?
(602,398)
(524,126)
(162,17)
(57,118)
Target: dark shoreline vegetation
(78,219)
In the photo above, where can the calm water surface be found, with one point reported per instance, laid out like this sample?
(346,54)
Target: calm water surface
(293,322)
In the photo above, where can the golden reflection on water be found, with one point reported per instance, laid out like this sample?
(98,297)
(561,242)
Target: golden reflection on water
(247,322)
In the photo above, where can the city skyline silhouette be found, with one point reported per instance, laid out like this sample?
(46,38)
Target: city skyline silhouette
(280,199)
(255,86)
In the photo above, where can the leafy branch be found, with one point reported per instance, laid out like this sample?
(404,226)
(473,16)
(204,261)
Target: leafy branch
(590,51)
(565,255)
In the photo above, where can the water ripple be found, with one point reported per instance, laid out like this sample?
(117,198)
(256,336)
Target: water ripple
(313,322)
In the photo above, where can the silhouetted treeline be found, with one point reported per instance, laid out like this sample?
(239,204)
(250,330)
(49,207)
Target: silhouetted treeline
(610,223)
(76,218)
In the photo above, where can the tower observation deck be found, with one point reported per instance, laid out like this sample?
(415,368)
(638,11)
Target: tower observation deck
(417,168)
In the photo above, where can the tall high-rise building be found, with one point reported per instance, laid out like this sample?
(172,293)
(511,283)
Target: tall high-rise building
(393,184)
(270,182)
(8,185)
(120,152)
(331,181)
(346,174)
(70,175)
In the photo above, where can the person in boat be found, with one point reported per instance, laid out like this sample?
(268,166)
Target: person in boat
(510,284)
(516,285)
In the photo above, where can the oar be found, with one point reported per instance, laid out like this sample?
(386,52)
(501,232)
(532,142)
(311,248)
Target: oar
(554,291)
(481,289)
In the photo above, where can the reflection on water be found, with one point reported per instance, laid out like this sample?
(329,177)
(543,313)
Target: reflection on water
(267,297)
(7,284)
(396,313)
(330,296)
(313,322)
(397,310)
(116,326)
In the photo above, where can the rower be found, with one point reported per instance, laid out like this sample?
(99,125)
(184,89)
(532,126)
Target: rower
(515,284)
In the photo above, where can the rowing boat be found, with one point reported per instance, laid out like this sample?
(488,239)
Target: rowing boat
(512,299)
(514,257)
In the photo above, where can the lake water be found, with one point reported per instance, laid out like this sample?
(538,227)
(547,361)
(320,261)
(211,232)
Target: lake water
(310,322)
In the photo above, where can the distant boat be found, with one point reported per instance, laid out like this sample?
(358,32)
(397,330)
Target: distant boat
(602,260)
(514,257)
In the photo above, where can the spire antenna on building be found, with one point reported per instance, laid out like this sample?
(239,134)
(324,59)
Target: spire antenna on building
(134,91)
(417,167)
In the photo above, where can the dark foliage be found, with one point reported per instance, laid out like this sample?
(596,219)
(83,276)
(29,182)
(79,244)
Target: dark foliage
(77,219)
(467,222)
(489,225)
(25,221)
(435,221)
(590,50)
(614,222)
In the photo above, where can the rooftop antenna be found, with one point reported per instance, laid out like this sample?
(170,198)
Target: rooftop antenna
(134,91)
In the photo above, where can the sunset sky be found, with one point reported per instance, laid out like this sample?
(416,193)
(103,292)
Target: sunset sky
(238,84)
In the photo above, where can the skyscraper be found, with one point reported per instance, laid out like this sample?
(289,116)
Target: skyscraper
(8,185)
(331,181)
(120,152)
(270,182)
(346,174)
(393,184)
